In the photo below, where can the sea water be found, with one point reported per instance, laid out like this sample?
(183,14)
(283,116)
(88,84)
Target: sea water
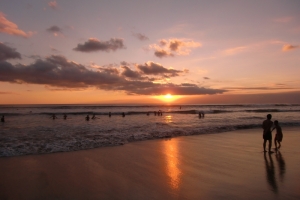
(30,129)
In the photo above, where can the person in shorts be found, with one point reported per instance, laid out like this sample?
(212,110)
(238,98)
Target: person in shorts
(267,134)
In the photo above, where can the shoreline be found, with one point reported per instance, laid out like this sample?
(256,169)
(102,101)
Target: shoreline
(93,142)
(211,166)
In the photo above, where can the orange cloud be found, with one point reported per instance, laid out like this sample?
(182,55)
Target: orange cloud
(11,28)
(288,47)
(174,46)
(52,4)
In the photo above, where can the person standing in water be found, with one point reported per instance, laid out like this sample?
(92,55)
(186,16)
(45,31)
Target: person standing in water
(278,136)
(2,118)
(267,134)
(87,118)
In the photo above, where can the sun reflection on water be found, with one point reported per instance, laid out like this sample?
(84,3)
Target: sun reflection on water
(168,119)
(172,168)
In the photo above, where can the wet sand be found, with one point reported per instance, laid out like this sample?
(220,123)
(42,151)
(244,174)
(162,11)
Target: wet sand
(228,165)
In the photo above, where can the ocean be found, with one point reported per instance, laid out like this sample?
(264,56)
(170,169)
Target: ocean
(30,129)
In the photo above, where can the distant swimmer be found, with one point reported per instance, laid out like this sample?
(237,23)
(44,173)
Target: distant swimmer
(93,117)
(54,116)
(123,114)
(87,118)
(2,118)
(109,114)
(65,116)
(201,114)
(147,113)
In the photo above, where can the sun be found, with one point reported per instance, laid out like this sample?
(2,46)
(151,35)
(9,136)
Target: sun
(168,96)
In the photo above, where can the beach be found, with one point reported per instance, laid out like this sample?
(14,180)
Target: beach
(230,165)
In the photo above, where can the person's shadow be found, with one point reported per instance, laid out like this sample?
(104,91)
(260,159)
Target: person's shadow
(281,165)
(270,172)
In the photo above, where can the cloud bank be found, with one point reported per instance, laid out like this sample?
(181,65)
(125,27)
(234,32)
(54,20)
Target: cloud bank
(58,72)
(94,44)
(8,53)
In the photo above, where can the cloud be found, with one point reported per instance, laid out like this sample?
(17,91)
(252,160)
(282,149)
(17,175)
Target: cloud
(172,47)
(129,73)
(11,28)
(7,52)
(235,50)
(206,78)
(288,47)
(151,68)
(180,89)
(53,5)
(162,53)
(94,44)
(58,72)
(140,36)
(55,30)
(284,19)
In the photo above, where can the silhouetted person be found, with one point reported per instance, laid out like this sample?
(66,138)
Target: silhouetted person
(147,113)
(87,118)
(203,114)
(123,114)
(2,118)
(93,117)
(109,114)
(54,116)
(180,107)
(65,116)
(278,136)
(155,113)
(200,115)
(267,134)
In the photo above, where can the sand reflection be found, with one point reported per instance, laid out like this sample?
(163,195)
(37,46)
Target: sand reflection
(173,163)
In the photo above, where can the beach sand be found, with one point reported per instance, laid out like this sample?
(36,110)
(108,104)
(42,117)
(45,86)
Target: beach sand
(227,165)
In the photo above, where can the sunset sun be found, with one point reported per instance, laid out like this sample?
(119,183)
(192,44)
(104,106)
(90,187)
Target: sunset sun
(168,96)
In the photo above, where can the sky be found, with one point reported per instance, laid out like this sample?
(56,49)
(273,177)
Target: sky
(149,52)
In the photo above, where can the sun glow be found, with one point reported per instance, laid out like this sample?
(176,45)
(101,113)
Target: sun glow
(168,98)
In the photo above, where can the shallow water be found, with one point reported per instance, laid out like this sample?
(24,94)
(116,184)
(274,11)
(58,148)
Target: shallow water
(31,130)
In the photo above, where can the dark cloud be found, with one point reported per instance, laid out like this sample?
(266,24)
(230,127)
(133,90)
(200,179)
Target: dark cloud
(94,44)
(54,29)
(7,52)
(174,45)
(259,88)
(58,72)
(162,53)
(182,89)
(127,72)
(206,78)
(151,68)
(140,36)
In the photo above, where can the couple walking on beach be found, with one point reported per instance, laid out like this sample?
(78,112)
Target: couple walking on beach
(267,134)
